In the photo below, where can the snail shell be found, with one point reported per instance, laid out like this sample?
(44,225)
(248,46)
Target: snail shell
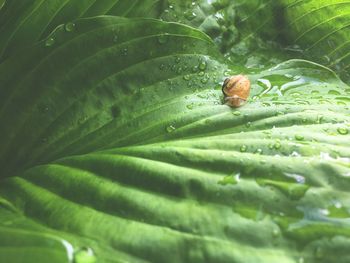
(236,90)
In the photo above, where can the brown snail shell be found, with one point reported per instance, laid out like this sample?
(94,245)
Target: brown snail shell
(236,90)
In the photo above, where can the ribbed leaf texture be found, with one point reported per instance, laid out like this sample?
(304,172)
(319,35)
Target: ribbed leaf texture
(116,145)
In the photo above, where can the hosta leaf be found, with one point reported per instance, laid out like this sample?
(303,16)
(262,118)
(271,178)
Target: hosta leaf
(244,31)
(25,22)
(322,28)
(24,246)
(55,112)
(141,162)
(314,29)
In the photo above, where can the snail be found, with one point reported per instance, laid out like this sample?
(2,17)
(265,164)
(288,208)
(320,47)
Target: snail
(236,90)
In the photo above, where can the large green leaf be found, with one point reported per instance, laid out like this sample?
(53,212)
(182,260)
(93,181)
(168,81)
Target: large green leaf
(313,29)
(116,147)
(22,23)
(69,105)
(157,164)
(322,29)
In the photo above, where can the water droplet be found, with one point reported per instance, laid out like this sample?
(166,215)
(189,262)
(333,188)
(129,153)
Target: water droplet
(248,124)
(190,15)
(297,177)
(187,77)
(236,113)
(204,80)
(49,42)
(299,137)
(84,255)
(190,106)
(342,103)
(243,148)
(343,131)
(170,128)
(295,154)
(125,52)
(230,179)
(334,92)
(69,27)
(202,66)
(259,151)
(277,145)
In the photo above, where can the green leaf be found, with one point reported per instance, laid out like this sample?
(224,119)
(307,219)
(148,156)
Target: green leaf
(25,22)
(321,28)
(258,33)
(17,245)
(147,143)
(70,105)
(116,147)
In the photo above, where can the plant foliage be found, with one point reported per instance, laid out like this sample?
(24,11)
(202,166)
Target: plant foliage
(116,145)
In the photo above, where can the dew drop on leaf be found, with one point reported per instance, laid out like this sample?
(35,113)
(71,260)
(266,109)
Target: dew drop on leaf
(204,80)
(69,27)
(170,128)
(243,148)
(299,137)
(49,42)
(190,15)
(343,131)
(190,106)
(187,77)
(84,255)
(230,179)
(334,92)
(202,65)
(125,52)
(237,113)
(277,145)
(259,151)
